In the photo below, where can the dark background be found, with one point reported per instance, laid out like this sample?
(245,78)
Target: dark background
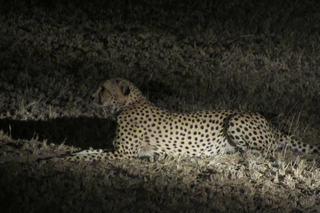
(184,55)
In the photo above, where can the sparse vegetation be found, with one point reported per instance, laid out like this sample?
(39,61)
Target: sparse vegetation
(255,55)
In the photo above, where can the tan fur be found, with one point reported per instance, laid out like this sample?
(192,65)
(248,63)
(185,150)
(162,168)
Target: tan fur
(144,129)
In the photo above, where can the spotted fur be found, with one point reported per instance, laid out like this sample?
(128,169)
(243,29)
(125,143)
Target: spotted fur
(145,129)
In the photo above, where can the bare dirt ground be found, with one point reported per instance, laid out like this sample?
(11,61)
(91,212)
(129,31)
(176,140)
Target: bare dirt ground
(254,55)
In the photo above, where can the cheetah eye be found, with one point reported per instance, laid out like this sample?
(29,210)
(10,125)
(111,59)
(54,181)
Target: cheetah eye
(102,91)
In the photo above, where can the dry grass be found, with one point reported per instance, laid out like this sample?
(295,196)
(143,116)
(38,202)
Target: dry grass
(184,55)
(249,182)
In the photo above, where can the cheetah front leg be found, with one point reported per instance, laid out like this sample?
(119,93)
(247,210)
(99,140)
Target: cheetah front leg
(98,155)
(122,150)
(92,155)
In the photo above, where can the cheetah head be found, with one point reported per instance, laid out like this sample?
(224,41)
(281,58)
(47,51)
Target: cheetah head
(115,95)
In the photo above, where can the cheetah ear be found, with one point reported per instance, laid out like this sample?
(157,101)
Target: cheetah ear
(124,88)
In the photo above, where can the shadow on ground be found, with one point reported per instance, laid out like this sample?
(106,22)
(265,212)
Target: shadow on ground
(80,132)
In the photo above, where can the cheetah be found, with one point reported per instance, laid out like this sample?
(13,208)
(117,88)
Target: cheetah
(144,129)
